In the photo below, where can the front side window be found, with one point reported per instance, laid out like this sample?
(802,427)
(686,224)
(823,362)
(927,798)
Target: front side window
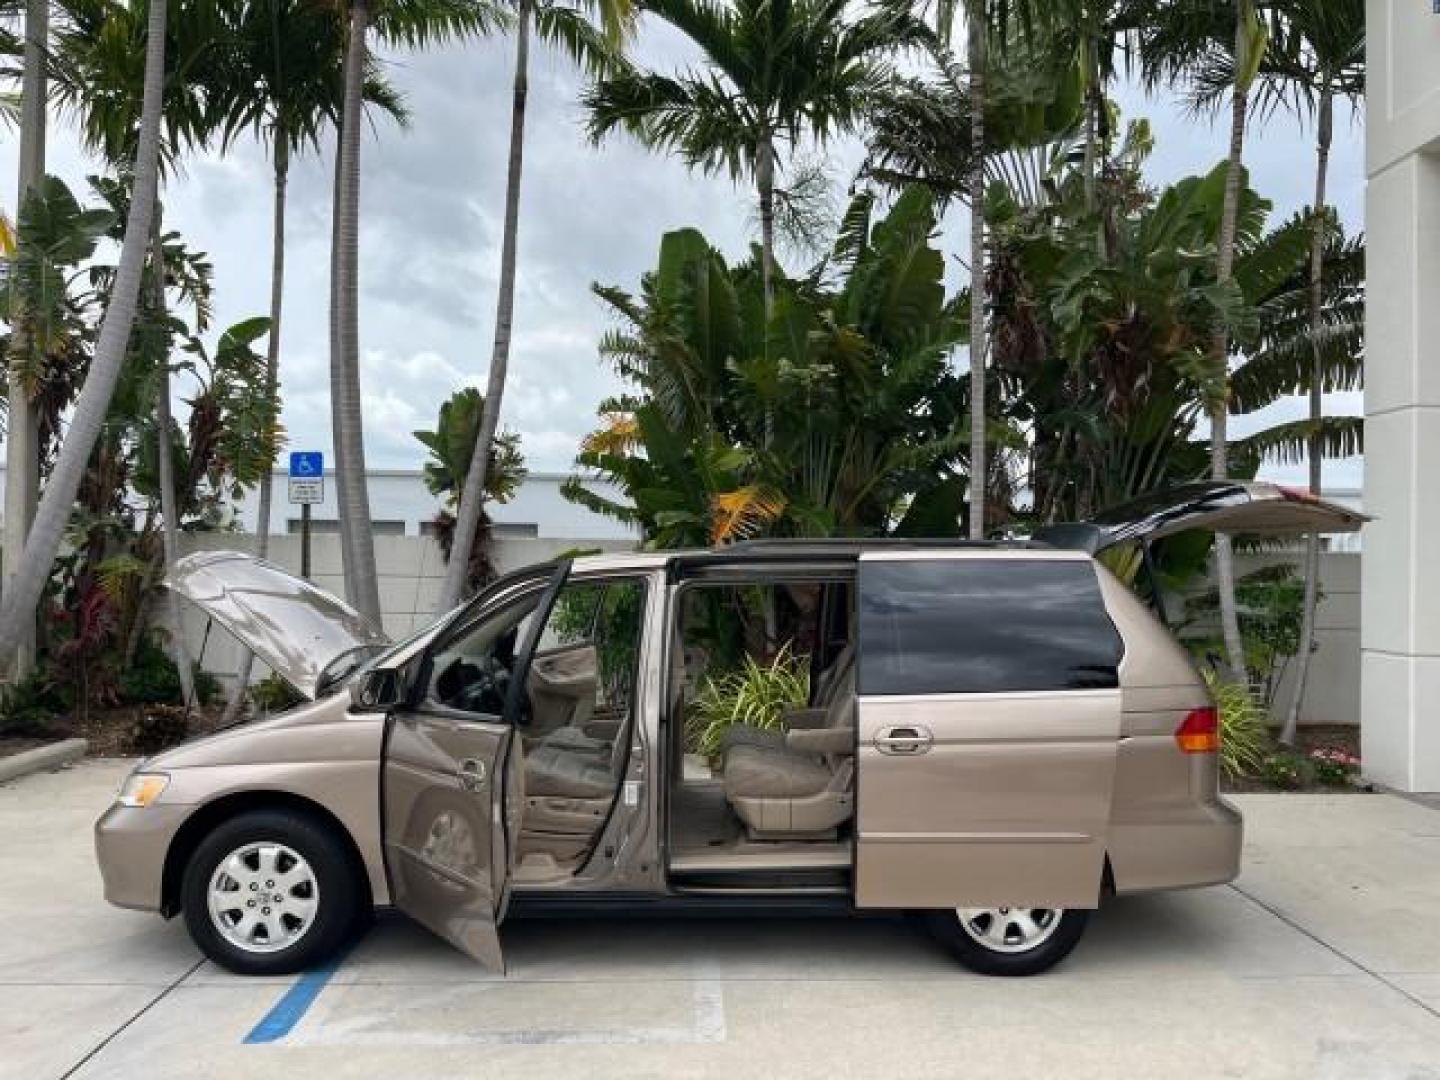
(958,626)
(472,671)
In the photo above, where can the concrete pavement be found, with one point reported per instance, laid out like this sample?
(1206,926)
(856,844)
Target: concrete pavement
(1323,962)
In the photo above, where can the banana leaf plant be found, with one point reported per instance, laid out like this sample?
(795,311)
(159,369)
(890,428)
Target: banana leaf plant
(838,414)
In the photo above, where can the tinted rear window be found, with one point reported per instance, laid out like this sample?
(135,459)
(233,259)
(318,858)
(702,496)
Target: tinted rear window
(937,626)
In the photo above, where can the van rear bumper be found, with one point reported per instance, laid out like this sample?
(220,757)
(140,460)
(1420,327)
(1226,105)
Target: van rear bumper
(1201,848)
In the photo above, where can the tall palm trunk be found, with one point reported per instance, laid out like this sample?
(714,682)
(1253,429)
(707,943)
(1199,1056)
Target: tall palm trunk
(978,290)
(165,469)
(17,607)
(472,497)
(277,301)
(765,187)
(272,379)
(1324,130)
(337,370)
(1094,101)
(1220,347)
(22,450)
(357,546)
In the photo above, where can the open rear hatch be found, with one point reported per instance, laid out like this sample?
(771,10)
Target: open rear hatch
(1228,506)
(298,630)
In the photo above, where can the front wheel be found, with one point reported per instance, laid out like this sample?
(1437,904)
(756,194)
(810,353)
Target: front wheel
(270,892)
(1009,941)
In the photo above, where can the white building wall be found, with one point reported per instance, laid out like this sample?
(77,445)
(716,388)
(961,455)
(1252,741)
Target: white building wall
(401,504)
(1400,618)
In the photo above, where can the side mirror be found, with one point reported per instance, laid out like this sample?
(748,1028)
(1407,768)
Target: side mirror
(376,691)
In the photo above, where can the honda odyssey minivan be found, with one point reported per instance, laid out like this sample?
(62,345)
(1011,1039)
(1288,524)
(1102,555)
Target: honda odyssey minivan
(993,736)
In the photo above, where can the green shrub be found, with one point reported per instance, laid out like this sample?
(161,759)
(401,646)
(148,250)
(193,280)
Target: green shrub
(1244,731)
(155,728)
(31,708)
(273,694)
(755,694)
(207,686)
(152,678)
(1287,770)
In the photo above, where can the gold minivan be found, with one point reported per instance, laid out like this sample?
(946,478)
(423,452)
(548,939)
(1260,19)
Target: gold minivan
(993,736)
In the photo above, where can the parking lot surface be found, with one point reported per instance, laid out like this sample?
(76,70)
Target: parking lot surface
(1322,962)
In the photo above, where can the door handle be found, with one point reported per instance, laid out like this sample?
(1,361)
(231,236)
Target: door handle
(910,739)
(472,774)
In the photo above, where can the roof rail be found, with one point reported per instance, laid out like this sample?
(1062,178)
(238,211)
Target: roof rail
(790,545)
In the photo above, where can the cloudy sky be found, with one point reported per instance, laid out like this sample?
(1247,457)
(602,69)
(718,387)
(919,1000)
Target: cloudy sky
(430,238)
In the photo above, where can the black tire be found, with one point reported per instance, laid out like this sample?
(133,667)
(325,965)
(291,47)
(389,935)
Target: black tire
(980,958)
(342,902)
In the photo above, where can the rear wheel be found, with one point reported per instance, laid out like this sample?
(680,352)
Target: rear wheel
(271,892)
(1009,940)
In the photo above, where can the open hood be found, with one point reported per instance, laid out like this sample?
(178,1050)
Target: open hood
(1228,506)
(294,627)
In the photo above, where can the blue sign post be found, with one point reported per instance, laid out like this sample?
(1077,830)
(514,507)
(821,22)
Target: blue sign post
(307,487)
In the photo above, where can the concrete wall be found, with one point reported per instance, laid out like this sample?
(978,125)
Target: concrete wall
(1332,692)
(410,570)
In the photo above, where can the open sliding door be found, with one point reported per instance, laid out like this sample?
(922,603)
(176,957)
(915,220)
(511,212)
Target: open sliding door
(989,715)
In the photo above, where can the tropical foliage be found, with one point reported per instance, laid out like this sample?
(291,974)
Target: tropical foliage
(95,607)
(1119,327)
(838,414)
(451,449)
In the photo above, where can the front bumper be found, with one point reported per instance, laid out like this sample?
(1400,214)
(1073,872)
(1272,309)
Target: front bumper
(130,845)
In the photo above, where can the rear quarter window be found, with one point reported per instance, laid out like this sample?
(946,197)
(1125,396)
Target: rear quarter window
(961,626)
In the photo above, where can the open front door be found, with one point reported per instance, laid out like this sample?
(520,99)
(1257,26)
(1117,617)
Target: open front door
(989,719)
(453,774)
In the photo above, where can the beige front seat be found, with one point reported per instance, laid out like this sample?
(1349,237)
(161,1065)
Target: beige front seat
(562,685)
(802,789)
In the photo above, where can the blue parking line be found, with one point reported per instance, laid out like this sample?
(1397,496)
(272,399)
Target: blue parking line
(293,1004)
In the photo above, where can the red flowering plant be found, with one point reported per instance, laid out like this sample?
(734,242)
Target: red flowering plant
(1334,766)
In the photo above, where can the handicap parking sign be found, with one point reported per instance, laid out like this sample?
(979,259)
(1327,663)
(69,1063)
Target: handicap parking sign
(307,476)
(308,463)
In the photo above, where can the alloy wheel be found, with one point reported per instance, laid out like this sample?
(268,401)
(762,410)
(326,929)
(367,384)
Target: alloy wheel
(1010,929)
(263,897)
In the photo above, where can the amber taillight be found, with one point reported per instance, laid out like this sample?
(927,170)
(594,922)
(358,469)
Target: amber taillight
(1199,732)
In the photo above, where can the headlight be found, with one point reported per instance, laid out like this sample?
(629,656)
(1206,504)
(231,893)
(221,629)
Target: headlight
(142,789)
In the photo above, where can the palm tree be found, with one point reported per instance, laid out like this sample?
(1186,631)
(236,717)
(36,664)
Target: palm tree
(1181,40)
(1316,53)
(568,27)
(281,78)
(976,33)
(777,71)
(412,23)
(22,451)
(17,607)
(102,85)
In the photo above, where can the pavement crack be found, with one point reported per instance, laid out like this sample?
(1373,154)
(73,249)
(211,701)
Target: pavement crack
(103,1043)
(1340,953)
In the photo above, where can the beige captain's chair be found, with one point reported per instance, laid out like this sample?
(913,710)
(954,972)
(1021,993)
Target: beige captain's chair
(803,789)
